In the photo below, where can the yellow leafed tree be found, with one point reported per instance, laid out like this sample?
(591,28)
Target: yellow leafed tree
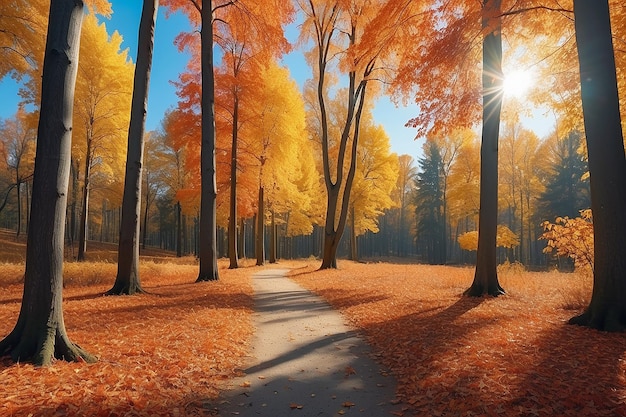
(374,182)
(101,117)
(288,180)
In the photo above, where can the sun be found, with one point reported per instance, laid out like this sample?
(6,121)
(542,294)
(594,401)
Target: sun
(517,83)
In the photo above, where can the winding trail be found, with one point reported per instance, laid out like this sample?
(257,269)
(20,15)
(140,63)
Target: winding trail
(305,361)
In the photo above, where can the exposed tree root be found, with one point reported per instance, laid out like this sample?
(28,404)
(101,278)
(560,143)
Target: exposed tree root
(42,347)
(604,319)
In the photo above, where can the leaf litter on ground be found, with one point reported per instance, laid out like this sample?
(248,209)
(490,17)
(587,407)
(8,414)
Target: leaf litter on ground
(170,352)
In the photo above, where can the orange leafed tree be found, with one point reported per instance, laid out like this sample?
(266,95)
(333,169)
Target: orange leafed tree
(248,33)
(365,37)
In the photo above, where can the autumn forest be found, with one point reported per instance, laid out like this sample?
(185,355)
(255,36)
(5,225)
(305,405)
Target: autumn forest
(250,168)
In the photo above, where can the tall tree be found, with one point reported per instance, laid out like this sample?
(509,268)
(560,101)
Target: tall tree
(567,189)
(376,177)
(404,188)
(40,334)
(365,33)
(429,204)
(103,92)
(207,252)
(17,145)
(607,165)
(486,275)
(127,280)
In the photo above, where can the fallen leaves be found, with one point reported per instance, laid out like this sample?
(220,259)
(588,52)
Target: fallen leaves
(452,355)
(157,352)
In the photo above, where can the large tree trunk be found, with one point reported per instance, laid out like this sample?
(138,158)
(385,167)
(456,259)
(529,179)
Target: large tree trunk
(40,332)
(607,166)
(127,280)
(486,275)
(232,221)
(208,205)
(259,246)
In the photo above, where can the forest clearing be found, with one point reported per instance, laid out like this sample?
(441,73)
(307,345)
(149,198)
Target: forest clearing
(171,351)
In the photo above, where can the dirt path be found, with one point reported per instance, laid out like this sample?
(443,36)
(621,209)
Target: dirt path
(305,360)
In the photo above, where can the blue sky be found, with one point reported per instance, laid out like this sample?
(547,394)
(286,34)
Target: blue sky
(168,62)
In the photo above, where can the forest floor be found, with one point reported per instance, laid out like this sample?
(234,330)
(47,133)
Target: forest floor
(172,351)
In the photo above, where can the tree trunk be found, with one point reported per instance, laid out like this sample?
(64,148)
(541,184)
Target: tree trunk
(179,230)
(40,334)
(232,220)
(82,232)
(607,166)
(241,239)
(353,249)
(75,173)
(146,214)
(259,247)
(18,189)
(208,205)
(486,275)
(128,280)
(273,239)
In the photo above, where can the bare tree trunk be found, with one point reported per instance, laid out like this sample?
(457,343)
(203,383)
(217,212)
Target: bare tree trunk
(232,221)
(241,239)
(273,239)
(208,205)
(486,275)
(179,230)
(82,233)
(354,255)
(259,247)
(607,165)
(127,280)
(40,334)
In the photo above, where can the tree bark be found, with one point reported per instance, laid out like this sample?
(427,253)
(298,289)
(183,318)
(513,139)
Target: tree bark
(259,247)
(208,205)
(232,220)
(273,239)
(179,230)
(82,231)
(128,280)
(40,334)
(607,165)
(486,275)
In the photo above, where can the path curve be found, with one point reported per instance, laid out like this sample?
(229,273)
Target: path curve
(304,360)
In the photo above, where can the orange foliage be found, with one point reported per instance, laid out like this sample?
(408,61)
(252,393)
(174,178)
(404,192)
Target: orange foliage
(161,354)
(457,356)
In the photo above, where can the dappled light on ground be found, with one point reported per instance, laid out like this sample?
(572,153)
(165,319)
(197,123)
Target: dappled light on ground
(457,356)
(171,351)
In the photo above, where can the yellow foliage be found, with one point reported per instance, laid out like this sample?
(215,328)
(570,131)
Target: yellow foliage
(572,238)
(505,238)
(102,108)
